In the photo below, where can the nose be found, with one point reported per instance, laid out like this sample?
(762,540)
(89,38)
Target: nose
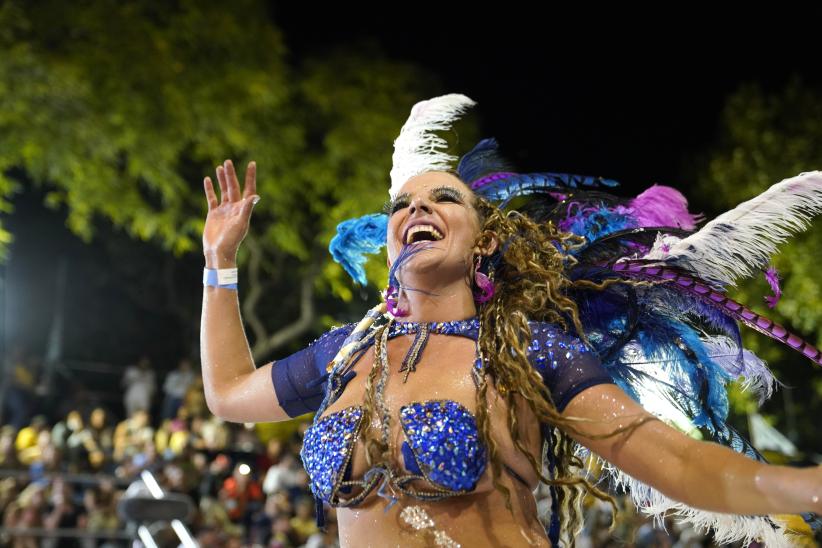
(419,203)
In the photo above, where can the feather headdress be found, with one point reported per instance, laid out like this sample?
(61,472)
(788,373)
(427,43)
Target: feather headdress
(672,347)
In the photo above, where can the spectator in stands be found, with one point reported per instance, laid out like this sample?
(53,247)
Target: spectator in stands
(61,513)
(304,523)
(27,436)
(34,453)
(8,451)
(63,429)
(175,388)
(102,433)
(215,434)
(194,400)
(21,371)
(173,435)
(218,471)
(140,384)
(241,493)
(131,434)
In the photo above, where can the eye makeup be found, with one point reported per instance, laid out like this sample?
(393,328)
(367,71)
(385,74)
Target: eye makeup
(402,200)
(447,191)
(391,207)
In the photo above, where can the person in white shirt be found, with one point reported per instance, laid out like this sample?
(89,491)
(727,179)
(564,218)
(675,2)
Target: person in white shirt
(175,388)
(140,384)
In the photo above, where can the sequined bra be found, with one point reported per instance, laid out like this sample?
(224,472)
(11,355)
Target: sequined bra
(442,445)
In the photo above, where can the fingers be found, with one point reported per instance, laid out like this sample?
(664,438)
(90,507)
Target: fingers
(229,185)
(250,187)
(211,197)
(223,184)
(233,183)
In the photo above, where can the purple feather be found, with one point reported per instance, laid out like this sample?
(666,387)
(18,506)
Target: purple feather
(751,370)
(662,205)
(773,280)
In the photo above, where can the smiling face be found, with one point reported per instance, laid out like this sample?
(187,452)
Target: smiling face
(434,206)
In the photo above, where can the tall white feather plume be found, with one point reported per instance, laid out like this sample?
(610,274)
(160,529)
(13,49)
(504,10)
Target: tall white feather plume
(417,149)
(743,239)
(727,528)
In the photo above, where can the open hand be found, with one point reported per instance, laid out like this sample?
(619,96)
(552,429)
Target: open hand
(227,221)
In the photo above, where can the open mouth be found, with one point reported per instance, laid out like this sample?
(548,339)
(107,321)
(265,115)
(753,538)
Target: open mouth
(422,233)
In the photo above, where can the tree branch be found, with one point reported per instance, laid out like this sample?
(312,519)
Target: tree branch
(263,342)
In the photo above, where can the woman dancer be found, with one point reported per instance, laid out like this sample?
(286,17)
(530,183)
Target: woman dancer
(509,341)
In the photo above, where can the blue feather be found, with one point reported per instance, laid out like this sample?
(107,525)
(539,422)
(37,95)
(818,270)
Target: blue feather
(597,222)
(356,237)
(403,257)
(482,160)
(506,189)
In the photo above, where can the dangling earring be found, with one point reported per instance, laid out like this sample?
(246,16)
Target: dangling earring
(484,283)
(391,296)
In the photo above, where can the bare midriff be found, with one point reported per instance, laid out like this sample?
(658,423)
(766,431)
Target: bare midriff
(477,519)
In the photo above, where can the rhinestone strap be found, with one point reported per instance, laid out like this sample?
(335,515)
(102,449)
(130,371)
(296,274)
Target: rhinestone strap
(412,358)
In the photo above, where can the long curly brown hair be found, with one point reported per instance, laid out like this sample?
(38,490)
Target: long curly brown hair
(530,284)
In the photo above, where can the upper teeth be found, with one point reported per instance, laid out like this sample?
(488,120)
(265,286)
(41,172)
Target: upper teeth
(409,237)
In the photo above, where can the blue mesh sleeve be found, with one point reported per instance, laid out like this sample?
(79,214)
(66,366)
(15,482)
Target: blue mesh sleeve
(296,377)
(566,364)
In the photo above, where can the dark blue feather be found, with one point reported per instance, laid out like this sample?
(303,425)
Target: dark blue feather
(482,160)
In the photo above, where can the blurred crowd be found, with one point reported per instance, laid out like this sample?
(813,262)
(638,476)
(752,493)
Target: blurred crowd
(69,472)
(246,482)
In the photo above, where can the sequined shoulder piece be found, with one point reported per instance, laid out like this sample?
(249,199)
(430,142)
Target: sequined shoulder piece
(300,379)
(567,365)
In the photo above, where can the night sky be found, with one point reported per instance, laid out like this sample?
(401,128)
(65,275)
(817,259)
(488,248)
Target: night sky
(559,91)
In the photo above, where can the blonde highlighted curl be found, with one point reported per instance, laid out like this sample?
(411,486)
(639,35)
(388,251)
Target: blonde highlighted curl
(531,284)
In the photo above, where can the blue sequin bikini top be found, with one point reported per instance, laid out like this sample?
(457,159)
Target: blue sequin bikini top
(442,445)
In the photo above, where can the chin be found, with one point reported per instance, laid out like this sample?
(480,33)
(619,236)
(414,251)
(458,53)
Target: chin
(425,262)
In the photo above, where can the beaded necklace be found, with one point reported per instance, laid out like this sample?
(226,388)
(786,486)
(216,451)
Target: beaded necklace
(445,328)
(421,331)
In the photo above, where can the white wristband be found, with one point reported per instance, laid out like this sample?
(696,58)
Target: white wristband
(223,277)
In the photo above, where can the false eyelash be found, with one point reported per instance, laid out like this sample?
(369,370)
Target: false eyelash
(447,195)
(448,192)
(442,192)
(392,206)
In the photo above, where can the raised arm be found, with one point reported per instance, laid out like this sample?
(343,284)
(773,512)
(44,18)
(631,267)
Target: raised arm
(235,389)
(701,474)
